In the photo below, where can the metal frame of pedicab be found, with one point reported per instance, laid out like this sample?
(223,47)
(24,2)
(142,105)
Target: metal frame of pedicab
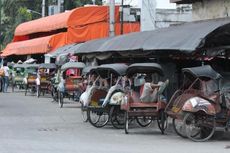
(70,85)
(194,103)
(45,83)
(31,78)
(144,112)
(18,76)
(102,100)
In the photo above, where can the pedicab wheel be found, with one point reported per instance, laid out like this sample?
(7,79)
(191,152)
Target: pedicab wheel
(12,87)
(84,113)
(178,127)
(26,90)
(117,117)
(54,94)
(126,122)
(60,99)
(162,121)
(144,121)
(199,127)
(98,118)
(38,91)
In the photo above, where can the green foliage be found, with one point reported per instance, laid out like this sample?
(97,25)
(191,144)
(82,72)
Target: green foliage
(71,4)
(15,12)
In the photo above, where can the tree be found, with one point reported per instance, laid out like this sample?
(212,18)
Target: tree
(71,4)
(15,12)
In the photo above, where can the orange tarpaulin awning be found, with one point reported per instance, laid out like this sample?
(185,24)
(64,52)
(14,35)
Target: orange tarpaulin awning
(73,35)
(97,30)
(35,46)
(76,17)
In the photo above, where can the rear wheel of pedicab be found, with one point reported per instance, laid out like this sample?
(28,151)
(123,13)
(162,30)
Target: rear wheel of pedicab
(38,91)
(178,127)
(26,90)
(162,121)
(117,117)
(144,121)
(60,99)
(54,94)
(199,127)
(12,87)
(98,118)
(126,122)
(84,113)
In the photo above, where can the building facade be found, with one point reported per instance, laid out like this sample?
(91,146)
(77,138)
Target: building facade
(207,9)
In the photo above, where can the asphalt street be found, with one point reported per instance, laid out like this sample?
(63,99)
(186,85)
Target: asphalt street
(37,125)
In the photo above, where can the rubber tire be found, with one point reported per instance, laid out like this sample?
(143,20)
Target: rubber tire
(115,110)
(60,99)
(38,91)
(183,135)
(95,124)
(141,123)
(12,87)
(193,138)
(84,114)
(162,121)
(126,122)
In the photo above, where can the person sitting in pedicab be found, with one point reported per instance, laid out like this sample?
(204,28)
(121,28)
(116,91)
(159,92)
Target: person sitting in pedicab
(152,92)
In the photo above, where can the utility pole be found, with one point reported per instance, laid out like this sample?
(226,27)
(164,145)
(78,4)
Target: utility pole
(0,22)
(43,8)
(111,18)
(59,6)
(122,16)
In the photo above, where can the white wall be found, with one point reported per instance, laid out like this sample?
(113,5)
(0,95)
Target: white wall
(210,9)
(148,15)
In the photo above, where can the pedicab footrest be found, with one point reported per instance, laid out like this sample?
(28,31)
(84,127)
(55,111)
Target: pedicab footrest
(143,105)
(143,112)
(95,107)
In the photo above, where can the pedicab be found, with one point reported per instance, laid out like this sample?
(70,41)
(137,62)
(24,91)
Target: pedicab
(18,75)
(56,79)
(11,67)
(144,102)
(89,81)
(30,79)
(202,104)
(71,82)
(105,98)
(45,73)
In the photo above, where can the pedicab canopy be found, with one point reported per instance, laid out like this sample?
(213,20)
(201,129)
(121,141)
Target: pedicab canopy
(47,66)
(144,68)
(88,70)
(70,65)
(205,71)
(20,65)
(117,69)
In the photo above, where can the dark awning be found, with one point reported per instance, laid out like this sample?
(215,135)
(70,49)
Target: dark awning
(64,50)
(92,45)
(188,37)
